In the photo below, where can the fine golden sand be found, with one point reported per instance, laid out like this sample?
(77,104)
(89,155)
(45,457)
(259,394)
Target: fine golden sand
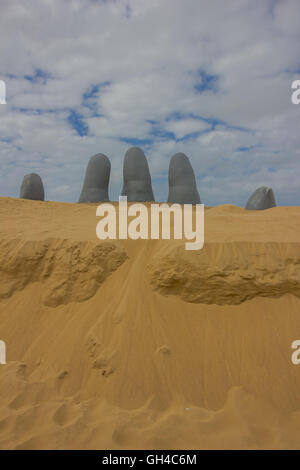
(142,344)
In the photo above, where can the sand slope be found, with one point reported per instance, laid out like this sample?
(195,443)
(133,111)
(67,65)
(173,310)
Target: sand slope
(141,344)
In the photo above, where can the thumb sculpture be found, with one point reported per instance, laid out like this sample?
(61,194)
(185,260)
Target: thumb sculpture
(137,184)
(96,180)
(32,187)
(182,181)
(262,198)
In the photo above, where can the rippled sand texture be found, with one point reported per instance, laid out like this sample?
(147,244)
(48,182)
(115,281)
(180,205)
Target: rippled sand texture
(142,344)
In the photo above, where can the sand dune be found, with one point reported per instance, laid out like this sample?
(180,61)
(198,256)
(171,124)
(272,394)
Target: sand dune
(229,273)
(141,344)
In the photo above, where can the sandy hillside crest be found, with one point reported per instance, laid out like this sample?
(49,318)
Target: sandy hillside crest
(139,344)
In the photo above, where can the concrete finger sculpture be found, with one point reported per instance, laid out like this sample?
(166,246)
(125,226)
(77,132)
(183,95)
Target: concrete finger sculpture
(96,180)
(262,198)
(182,181)
(137,184)
(32,187)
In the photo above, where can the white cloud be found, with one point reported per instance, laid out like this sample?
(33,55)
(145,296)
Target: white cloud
(150,55)
(184,127)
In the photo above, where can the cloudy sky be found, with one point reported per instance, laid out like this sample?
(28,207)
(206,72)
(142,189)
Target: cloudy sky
(208,78)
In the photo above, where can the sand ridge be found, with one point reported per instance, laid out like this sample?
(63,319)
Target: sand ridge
(127,364)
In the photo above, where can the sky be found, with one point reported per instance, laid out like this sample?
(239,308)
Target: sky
(208,78)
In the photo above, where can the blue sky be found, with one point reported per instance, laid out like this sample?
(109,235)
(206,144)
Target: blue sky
(208,78)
